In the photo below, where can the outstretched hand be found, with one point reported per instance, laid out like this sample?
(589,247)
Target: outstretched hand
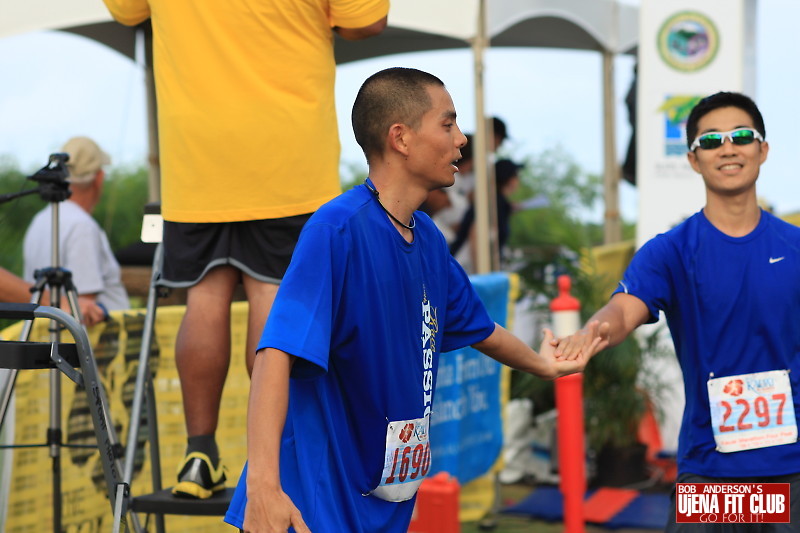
(584,343)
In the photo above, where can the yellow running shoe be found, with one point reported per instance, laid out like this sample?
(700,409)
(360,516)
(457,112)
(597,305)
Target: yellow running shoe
(197,477)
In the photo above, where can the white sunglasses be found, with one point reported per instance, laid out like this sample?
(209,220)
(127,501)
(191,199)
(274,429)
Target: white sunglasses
(715,139)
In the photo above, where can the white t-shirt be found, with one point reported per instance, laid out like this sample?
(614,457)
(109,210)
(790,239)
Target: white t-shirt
(83,250)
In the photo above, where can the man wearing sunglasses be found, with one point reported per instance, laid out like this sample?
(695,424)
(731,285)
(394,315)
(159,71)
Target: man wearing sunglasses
(728,282)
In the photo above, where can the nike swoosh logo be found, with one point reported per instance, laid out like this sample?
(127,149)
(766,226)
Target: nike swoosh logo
(775,259)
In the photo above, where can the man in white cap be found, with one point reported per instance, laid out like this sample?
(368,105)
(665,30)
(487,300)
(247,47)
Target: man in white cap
(83,245)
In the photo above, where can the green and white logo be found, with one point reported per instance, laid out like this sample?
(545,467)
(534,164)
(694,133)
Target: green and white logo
(688,41)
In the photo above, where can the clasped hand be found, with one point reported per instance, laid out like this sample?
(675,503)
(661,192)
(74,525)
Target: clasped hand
(584,343)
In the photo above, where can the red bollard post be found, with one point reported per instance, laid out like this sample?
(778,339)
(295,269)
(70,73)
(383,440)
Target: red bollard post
(565,310)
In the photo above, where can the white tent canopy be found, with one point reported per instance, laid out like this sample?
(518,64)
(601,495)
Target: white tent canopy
(577,24)
(84,17)
(607,26)
(414,25)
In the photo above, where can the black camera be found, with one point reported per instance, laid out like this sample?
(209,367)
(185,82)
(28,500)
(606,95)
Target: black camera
(52,178)
(55,171)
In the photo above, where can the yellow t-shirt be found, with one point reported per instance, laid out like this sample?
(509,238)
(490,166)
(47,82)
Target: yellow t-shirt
(245,91)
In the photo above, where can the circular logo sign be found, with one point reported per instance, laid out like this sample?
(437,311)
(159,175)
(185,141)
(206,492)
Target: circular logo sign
(688,41)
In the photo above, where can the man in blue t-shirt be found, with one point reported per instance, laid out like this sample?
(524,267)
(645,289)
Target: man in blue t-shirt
(728,281)
(371,299)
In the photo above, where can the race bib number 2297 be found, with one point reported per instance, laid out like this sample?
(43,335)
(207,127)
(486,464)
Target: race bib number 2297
(751,411)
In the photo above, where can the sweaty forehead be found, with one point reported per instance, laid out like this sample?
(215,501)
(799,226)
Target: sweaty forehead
(724,119)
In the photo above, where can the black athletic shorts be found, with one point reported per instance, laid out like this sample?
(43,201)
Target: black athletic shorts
(260,248)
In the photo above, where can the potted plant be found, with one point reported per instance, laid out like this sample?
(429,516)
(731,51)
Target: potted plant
(551,241)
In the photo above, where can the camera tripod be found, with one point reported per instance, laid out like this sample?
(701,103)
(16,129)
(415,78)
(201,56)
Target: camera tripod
(54,189)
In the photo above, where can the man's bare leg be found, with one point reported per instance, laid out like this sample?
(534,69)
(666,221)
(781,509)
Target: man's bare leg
(202,356)
(260,297)
(203,348)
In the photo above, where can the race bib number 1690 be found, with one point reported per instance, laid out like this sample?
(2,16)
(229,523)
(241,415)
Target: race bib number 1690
(407,459)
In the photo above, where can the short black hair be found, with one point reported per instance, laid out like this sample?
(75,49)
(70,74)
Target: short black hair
(505,170)
(499,128)
(717,101)
(394,95)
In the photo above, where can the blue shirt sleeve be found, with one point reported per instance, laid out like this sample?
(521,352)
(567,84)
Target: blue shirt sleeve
(648,277)
(300,321)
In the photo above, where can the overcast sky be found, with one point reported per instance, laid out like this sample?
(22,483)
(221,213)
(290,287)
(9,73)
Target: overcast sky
(54,85)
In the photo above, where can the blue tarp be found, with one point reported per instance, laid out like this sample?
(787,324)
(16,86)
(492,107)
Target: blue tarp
(647,511)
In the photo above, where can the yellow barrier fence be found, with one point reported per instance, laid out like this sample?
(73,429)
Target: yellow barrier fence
(116,346)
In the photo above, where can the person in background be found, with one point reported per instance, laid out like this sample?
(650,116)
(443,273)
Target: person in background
(447,206)
(507,181)
(462,195)
(248,149)
(727,280)
(83,245)
(13,289)
(499,133)
(465,185)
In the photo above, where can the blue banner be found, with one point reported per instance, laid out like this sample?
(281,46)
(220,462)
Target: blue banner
(466,422)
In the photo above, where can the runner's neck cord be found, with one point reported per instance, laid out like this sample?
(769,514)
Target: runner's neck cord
(410,226)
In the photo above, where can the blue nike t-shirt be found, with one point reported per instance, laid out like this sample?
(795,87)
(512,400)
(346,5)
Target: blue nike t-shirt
(733,308)
(367,314)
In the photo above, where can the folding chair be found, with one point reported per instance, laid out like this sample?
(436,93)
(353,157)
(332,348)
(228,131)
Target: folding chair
(77,362)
